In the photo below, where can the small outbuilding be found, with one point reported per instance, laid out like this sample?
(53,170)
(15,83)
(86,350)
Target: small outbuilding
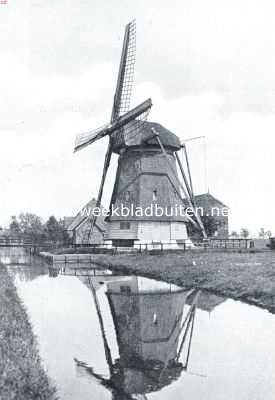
(216,210)
(79,227)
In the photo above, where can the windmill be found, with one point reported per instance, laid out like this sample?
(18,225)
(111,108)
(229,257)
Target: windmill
(146,173)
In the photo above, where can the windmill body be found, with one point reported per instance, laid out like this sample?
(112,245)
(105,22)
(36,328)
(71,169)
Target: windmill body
(147,171)
(143,180)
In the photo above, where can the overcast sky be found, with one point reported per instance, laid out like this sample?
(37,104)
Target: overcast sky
(208,66)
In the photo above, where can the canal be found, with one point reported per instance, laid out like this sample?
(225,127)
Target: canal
(104,336)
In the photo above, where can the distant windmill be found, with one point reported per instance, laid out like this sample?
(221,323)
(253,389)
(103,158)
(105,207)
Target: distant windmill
(147,172)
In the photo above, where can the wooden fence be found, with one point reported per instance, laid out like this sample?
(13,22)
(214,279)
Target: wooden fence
(156,247)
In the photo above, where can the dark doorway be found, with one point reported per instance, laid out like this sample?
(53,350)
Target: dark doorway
(123,242)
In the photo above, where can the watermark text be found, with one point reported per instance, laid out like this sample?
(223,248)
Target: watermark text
(154,210)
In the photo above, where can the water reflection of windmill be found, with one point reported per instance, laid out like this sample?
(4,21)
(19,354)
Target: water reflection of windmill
(151,336)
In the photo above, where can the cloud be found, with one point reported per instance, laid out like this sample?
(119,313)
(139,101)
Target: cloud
(209,68)
(234,160)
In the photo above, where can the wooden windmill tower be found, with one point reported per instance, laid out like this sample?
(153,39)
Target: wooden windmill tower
(147,169)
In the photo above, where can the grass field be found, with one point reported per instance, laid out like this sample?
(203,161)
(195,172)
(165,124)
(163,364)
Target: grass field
(21,374)
(248,277)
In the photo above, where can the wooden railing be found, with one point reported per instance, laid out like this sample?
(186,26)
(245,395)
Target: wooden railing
(154,246)
(157,246)
(236,243)
(12,241)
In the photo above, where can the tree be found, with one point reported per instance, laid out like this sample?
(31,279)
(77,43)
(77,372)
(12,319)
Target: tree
(244,233)
(32,226)
(234,234)
(55,231)
(52,229)
(65,236)
(15,226)
(264,234)
(210,225)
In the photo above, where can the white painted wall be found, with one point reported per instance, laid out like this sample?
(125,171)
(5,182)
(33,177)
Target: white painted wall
(148,231)
(114,231)
(154,231)
(178,230)
(161,231)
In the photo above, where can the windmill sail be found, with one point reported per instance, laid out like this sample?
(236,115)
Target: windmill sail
(125,78)
(124,123)
(108,156)
(123,90)
(85,139)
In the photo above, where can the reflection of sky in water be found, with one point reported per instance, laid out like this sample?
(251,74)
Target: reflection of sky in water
(145,284)
(233,345)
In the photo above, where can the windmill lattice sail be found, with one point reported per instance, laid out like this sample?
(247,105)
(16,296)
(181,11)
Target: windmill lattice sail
(129,132)
(86,138)
(125,80)
(133,117)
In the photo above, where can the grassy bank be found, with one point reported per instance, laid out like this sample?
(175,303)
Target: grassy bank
(246,277)
(21,374)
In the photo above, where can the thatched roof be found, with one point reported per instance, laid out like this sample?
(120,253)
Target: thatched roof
(131,138)
(207,201)
(167,138)
(80,219)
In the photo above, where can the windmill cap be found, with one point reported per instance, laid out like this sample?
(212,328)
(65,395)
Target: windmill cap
(146,134)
